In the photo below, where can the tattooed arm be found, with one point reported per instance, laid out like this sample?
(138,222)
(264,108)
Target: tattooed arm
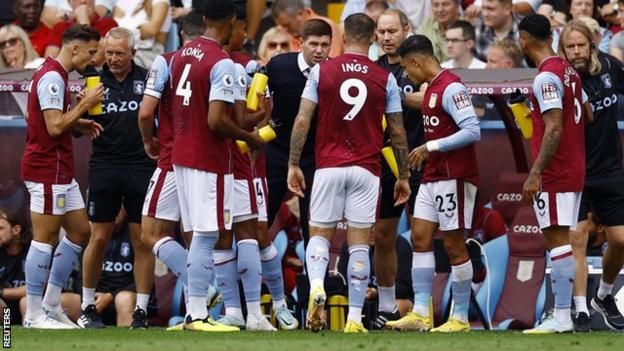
(296,180)
(553,130)
(399,142)
(300,130)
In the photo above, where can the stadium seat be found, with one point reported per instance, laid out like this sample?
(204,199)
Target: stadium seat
(507,198)
(300,250)
(513,292)
(280,241)
(403,224)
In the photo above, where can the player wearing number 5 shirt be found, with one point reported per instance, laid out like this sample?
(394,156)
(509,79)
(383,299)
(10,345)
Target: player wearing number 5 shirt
(447,194)
(351,93)
(556,179)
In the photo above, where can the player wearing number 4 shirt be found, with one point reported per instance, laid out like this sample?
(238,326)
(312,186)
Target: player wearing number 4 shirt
(202,77)
(352,93)
(447,194)
(161,209)
(556,179)
(48,171)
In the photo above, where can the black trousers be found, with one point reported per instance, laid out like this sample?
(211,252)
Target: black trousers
(278,189)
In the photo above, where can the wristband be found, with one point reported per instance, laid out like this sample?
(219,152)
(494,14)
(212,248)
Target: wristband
(433,145)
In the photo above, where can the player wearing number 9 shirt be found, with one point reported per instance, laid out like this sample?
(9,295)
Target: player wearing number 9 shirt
(352,93)
(447,194)
(202,77)
(556,179)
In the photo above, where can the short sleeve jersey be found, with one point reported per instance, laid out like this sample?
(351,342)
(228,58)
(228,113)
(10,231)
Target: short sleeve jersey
(201,72)
(352,93)
(558,86)
(158,87)
(47,159)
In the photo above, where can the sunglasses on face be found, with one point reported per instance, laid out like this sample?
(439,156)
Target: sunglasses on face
(274,44)
(8,43)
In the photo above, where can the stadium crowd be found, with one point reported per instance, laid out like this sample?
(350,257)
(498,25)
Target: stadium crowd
(180,170)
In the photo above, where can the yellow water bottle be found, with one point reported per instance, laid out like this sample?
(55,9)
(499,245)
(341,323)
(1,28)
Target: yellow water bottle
(520,110)
(258,85)
(266,133)
(92,82)
(388,155)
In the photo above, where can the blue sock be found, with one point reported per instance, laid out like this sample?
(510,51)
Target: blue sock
(461,279)
(317,259)
(358,271)
(423,270)
(36,269)
(250,273)
(226,267)
(562,279)
(174,256)
(200,270)
(65,258)
(272,273)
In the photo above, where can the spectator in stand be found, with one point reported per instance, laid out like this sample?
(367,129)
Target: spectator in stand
(28,14)
(444,12)
(291,14)
(6,15)
(55,11)
(149,21)
(180,8)
(580,8)
(374,9)
(15,237)
(617,44)
(17,51)
(403,283)
(460,40)
(417,11)
(497,22)
(504,54)
(83,12)
(521,7)
(275,41)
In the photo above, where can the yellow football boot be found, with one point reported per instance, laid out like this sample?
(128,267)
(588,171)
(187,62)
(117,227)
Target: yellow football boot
(412,321)
(355,328)
(209,325)
(316,309)
(453,325)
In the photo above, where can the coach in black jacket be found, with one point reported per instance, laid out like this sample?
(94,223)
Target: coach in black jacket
(288,74)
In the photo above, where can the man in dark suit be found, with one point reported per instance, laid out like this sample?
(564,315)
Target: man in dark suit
(288,74)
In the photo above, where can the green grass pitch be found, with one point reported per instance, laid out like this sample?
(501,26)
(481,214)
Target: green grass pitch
(155,339)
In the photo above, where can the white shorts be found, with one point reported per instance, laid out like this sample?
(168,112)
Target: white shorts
(245,204)
(261,198)
(344,192)
(161,200)
(54,199)
(450,203)
(205,199)
(560,209)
